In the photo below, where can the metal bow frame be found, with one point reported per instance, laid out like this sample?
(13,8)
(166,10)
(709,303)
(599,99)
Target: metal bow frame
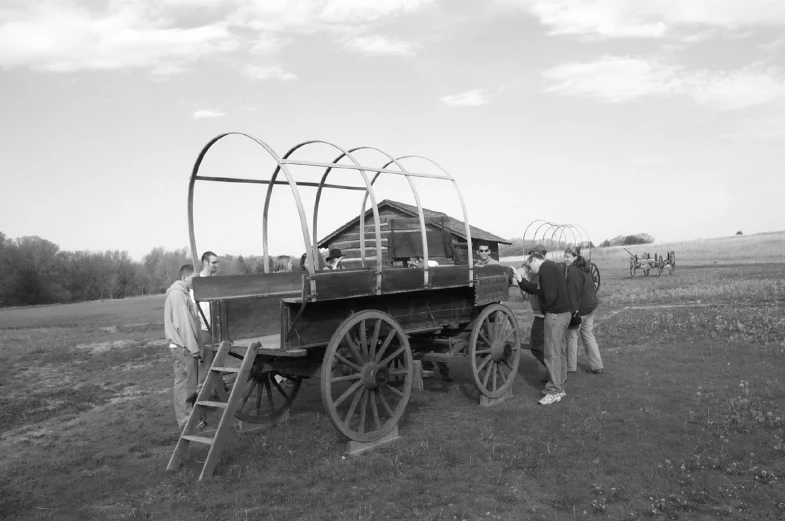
(553,235)
(310,241)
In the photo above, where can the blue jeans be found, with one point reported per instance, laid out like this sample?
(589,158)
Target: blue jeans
(586,331)
(185,374)
(556,350)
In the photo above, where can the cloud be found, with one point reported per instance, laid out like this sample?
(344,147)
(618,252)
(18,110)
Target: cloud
(472,98)
(379,45)
(207,114)
(67,37)
(268,72)
(636,18)
(617,79)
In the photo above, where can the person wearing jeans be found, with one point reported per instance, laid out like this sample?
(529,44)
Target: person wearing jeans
(555,306)
(580,287)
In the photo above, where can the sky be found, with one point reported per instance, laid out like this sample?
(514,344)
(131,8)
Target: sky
(665,117)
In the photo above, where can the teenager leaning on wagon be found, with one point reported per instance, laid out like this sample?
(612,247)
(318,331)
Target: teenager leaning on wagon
(555,306)
(581,288)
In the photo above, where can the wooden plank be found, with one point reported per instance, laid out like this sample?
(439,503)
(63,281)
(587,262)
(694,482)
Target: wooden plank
(413,223)
(341,284)
(449,276)
(491,288)
(227,287)
(402,279)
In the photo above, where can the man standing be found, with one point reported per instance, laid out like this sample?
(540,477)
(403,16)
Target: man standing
(484,254)
(555,306)
(182,332)
(537,337)
(209,268)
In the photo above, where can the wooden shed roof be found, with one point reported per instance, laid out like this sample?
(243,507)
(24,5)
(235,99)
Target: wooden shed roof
(453,225)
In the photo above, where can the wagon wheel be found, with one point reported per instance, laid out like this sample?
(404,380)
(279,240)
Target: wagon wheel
(367,375)
(632,267)
(595,275)
(495,350)
(265,399)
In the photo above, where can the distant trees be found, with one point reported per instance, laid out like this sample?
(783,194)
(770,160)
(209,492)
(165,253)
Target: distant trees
(628,240)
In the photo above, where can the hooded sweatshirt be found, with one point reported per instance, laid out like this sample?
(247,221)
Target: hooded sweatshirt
(180,322)
(580,287)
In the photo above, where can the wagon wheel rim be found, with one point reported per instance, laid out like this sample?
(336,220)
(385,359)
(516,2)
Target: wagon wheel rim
(495,350)
(264,399)
(595,276)
(366,376)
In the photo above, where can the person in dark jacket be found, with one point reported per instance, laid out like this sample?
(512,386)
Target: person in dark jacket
(537,335)
(555,306)
(580,286)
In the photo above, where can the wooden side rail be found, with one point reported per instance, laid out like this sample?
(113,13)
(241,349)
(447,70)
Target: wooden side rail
(229,287)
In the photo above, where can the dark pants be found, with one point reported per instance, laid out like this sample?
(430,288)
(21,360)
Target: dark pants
(537,339)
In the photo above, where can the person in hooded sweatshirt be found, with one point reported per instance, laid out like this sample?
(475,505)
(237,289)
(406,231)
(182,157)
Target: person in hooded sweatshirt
(182,332)
(580,288)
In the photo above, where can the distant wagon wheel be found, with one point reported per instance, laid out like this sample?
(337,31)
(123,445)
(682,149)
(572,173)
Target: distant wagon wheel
(632,267)
(367,375)
(265,399)
(595,275)
(495,350)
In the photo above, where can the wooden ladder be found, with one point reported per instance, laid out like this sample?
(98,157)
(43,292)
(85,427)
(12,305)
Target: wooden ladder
(204,403)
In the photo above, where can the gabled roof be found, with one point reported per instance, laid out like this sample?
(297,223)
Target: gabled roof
(453,225)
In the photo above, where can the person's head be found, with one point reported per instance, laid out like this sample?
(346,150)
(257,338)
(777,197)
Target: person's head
(414,262)
(581,263)
(570,254)
(187,275)
(534,262)
(282,263)
(209,264)
(303,260)
(334,257)
(537,248)
(483,251)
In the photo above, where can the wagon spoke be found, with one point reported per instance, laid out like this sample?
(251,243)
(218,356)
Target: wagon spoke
(278,386)
(353,347)
(248,392)
(484,363)
(347,378)
(507,364)
(374,339)
(363,341)
(484,338)
(394,391)
(497,325)
(353,407)
(348,393)
(394,355)
(269,390)
(487,375)
(375,410)
(363,409)
(495,370)
(348,363)
(501,374)
(399,372)
(385,345)
(259,393)
(386,406)
(481,351)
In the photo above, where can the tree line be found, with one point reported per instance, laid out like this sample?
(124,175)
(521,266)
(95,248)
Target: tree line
(36,271)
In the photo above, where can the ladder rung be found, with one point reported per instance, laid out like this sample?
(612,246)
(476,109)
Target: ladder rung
(225,369)
(216,405)
(198,439)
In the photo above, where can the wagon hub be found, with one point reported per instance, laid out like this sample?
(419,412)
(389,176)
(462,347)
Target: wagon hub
(501,351)
(375,375)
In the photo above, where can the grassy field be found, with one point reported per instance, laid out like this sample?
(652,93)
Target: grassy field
(686,423)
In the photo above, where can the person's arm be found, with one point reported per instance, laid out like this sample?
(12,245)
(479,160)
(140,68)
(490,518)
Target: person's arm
(187,327)
(525,285)
(549,286)
(574,283)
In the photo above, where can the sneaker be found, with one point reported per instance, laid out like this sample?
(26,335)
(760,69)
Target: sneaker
(563,393)
(550,398)
(595,371)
